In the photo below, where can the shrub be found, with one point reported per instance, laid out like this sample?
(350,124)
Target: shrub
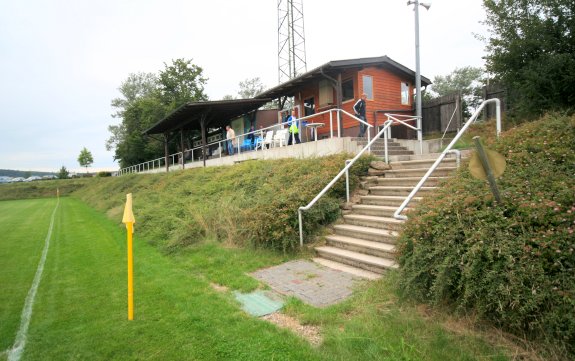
(512,263)
(104,174)
(252,203)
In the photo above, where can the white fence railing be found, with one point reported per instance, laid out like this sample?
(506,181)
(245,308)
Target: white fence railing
(178,159)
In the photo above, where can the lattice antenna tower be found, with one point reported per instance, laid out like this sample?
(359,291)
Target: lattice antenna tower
(291,40)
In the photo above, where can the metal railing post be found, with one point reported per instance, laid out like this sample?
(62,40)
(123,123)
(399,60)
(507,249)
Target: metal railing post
(339,123)
(299,217)
(331,124)
(347,181)
(385,136)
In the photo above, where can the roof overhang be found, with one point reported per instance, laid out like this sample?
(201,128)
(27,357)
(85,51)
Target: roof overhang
(214,113)
(333,68)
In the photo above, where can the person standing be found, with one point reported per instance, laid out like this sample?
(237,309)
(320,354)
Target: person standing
(231,137)
(359,109)
(293,128)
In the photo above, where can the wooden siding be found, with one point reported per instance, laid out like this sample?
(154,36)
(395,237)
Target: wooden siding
(386,96)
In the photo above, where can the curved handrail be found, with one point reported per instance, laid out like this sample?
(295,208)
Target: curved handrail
(395,118)
(336,178)
(471,120)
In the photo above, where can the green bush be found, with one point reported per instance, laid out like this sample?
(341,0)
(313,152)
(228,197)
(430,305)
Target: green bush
(512,263)
(104,174)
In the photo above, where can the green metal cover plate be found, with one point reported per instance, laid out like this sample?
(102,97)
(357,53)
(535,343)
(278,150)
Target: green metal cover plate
(258,303)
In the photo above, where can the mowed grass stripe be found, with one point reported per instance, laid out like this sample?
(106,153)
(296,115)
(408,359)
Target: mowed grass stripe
(81,306)
(23,228)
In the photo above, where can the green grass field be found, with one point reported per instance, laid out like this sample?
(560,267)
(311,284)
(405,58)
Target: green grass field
(80,311)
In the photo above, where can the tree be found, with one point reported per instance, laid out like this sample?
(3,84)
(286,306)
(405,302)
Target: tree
(63,173)
(145,99)
(138,85)
(180,83)
(249,88)
(530,50)
(85,158)
(468,81)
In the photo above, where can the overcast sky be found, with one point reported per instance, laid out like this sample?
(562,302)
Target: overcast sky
(62,61)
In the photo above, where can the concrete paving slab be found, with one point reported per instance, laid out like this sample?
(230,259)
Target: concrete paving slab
(310,282)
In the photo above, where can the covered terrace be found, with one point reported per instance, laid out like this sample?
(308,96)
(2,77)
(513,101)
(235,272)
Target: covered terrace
(199,117)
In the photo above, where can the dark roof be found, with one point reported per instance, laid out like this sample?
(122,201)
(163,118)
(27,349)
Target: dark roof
(217,114)
(331,69)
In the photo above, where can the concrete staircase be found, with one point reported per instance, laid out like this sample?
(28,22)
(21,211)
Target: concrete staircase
(364,243)
(394,148)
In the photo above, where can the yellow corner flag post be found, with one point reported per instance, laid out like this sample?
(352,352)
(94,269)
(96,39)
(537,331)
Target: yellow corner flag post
(129,221)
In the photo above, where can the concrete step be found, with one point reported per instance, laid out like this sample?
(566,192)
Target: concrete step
(391,201)
(373,210)
(377,249)
(427,156)
(373,221)
(381,153)
(397,191)
(418,172)
(422,163)
(355,259)
(409,181)
(346,268)
(379,142)
(378,146)
(367,233)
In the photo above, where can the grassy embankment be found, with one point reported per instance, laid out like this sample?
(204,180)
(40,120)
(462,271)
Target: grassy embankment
(80,308)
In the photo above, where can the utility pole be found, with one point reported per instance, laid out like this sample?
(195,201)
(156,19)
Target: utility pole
(417,66)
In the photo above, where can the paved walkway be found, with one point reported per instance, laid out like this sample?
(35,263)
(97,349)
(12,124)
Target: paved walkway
(312,283)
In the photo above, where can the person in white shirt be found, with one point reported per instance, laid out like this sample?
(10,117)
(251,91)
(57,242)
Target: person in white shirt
(231,137)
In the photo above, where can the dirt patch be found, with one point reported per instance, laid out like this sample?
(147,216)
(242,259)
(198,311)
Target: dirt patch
(311,333)
(218,287)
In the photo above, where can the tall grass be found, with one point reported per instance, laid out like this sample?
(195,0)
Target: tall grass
(253,203)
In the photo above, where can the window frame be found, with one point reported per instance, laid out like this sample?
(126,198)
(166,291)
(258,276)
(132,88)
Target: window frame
(406,92)
(363,78)
(343,82)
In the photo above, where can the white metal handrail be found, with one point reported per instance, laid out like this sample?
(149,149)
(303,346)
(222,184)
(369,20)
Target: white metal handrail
(471,120)
(146,165)
(406,118)
(349,163)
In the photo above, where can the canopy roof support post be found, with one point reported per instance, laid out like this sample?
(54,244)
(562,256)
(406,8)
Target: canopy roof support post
(203,130)
(166,137)
(182,147)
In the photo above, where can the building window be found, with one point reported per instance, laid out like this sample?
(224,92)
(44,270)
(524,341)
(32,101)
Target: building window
(368,86)
(325,93)
(347,90)
(308,107)
(404,93)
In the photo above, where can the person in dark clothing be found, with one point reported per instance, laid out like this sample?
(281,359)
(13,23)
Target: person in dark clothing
(252,135)
(359,109)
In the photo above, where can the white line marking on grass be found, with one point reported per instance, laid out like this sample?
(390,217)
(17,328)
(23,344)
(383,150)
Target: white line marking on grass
(15,352)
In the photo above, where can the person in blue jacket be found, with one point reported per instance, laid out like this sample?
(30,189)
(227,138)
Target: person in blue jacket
(293,128)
